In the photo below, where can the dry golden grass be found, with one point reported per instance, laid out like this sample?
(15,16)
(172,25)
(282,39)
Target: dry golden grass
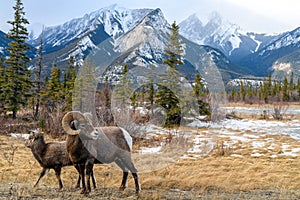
(213,177)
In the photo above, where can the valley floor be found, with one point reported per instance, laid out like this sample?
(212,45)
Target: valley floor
(249,158)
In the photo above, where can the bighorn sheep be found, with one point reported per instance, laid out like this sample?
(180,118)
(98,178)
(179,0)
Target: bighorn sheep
(87,145)
(51,155)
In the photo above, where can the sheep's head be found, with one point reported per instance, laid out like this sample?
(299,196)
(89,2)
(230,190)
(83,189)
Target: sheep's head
(75,123)
(33,136)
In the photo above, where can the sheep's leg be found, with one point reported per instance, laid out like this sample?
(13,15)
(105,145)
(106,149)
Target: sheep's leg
(79,176)
(125,174)
(129,165)
(43,173)
(89,172)
(137,184)
(94,180)
(57,174)
(82,174)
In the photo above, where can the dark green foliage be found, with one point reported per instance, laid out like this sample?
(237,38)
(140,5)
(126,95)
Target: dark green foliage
(170,88)
(52,94)
(18,83)
(242,91)
(174,49)
(270,91)
(169,101)
(285,92)
(68,83)
(123,91)
(83,95)
(200,93)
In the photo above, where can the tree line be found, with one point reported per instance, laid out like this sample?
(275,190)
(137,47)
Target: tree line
(269,90)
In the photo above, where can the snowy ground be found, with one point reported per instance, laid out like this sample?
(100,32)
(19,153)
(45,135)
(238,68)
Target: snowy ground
(245,137)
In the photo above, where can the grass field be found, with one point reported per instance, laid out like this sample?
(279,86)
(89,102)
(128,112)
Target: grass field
(224,172)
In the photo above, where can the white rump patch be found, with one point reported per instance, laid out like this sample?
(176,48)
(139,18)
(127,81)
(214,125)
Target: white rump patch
(128,138)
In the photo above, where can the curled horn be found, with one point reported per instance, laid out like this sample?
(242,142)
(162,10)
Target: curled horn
(68,118)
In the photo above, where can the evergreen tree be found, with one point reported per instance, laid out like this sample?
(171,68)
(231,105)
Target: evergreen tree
(83,95)
(291,83)
(52,93)
(150,87)
(133,100)
(200,93)
(18,85)
(69,80)
(242,91)
(170,88)
(233,93)
(285,91)
(174,49)
(265,90)
(250,92)
(108,117)
(123,89)
(168,100)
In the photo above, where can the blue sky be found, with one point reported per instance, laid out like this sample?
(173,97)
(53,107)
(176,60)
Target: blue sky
(268,16)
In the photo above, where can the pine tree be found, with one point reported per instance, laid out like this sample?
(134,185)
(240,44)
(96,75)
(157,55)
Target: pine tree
(133,100)
(83,95)
(242,91)
(291,83)
(18,85)
(174,49)
(285,91)
(266,91)
(170,88)
(150,88)
(69,80)
(233,93)
(123,91)
(108,117)
(169,101)
(200,93)
(52,92)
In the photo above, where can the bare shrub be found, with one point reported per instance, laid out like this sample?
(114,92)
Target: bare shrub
(123,118)
(221,150)
(279,109)
(9,154)
(50,120)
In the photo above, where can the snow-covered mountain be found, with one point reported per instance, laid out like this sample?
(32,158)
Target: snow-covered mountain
(144,45)
(281,51)
(223,35)
(113,36)
(4,41)
(90,30)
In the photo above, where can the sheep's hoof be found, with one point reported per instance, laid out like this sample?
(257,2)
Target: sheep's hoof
(85,191)
(77,187)
(122,188)
(82,191)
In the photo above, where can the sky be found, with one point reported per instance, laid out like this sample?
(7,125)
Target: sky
(262,16)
